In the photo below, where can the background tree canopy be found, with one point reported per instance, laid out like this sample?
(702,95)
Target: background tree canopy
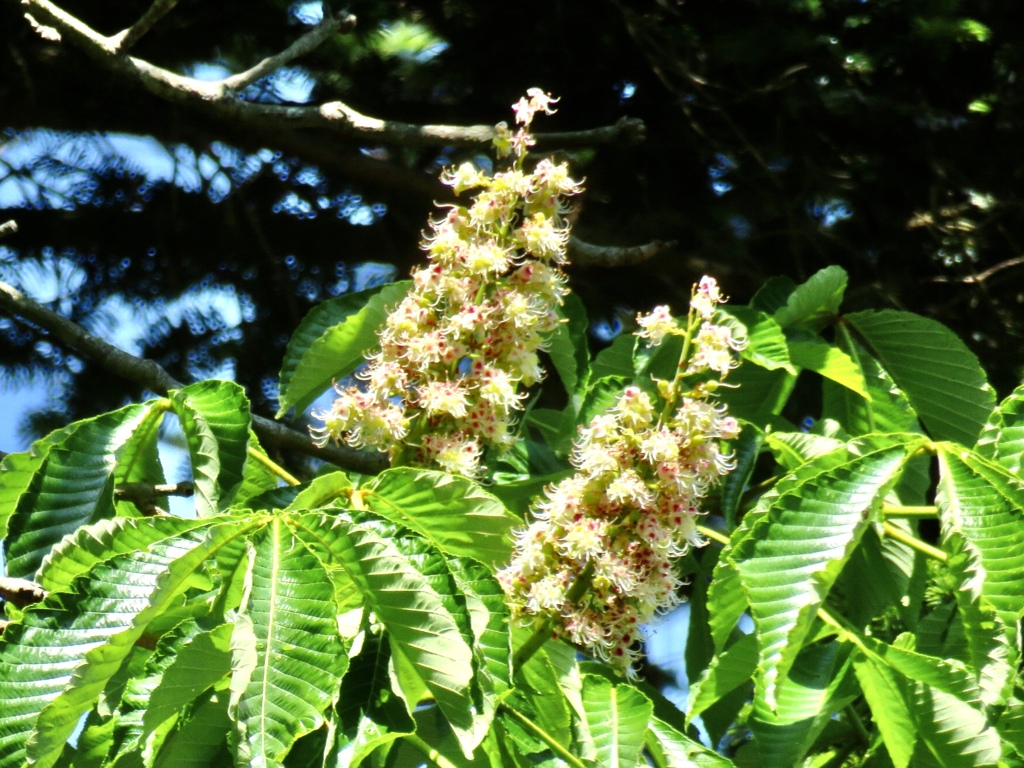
(780,136)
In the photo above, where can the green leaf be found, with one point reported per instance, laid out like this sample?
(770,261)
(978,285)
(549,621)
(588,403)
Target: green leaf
(370,715)
(454,513)
(84,635)
(984,503)
(214,416)
(794,449)
(727,671)
(199,742)
(800,549)
(616,359)
(138,460)
(618,717)
(745,449)
(72,486)
(773,295)
(418,624)
(1002,438)
(756,395)
(829,361)
(568,348)
(939,374)
(257,477)
(807,700)
(323,491)
(300,657)
(671,749)
(330,342)
(993,659)
(815,301)
(91,544)
(884,694)
(202,661)
(766,343)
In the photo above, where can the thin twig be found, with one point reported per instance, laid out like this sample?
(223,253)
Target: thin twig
(217,98)
(145,495)
(149,375)
(126,39)
(341,23)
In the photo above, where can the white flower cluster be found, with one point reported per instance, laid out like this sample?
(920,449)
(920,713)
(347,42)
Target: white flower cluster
(631,508)
(455,353)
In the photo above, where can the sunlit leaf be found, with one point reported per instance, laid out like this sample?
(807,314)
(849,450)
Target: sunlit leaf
(330,342)
(214,416)
(618,716)
(939,374)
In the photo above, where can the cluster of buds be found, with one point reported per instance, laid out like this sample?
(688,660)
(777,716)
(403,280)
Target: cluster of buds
(598,562)
(456,352)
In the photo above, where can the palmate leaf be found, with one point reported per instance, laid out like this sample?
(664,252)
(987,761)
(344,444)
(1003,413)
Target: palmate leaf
(330,341)
(939,374)
(214,416)
(819,686)
(72,486)
(91,544)
(138,460)
(84,635)
(199,742)
(618,716)
(457,515)
(1002,438)
(928,710)
(419,627)
(300,659)
(788,568)
(984,503)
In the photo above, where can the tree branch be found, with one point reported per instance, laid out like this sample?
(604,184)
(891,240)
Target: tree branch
(342,23)
(219,99)
(151,376)
(21,592)
(584,254)
(127,38)
(145,495)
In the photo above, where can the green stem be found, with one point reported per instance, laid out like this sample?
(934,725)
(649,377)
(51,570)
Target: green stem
(543,735)
(910,541)
(428,751)
(277,469)
(712,534)
(543,633)
(899,511)
(684,359)
(858,724)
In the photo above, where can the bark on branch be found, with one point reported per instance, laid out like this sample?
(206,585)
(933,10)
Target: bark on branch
(221,98)
(584,254)
(144,495)
(21,592)
(151,376)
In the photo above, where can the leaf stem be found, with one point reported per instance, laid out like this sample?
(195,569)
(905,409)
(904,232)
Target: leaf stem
(914,543)
(712,534)
(428,751)
(899,511)
(543,735)
(277,469)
